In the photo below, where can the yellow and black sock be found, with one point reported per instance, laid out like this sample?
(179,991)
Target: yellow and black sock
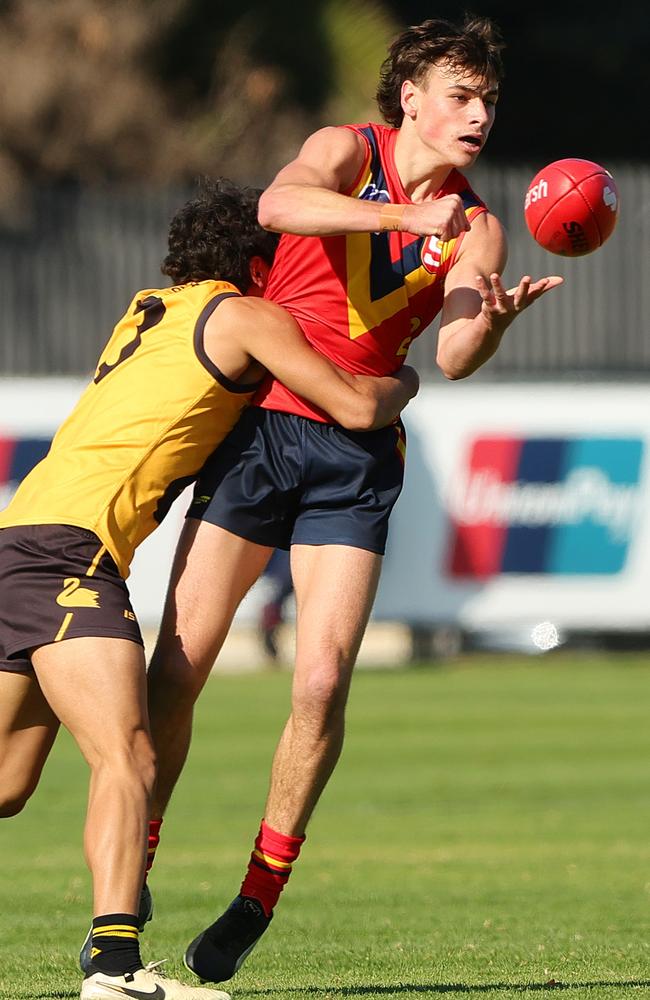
(115,948)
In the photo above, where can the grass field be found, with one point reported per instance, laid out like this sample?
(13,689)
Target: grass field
(486,834)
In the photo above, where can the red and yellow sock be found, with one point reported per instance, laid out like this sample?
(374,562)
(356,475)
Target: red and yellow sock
(152,846)
(270,866)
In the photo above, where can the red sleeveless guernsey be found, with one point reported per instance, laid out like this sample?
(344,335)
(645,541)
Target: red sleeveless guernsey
(361,298)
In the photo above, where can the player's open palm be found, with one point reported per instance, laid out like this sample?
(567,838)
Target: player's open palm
(500,306)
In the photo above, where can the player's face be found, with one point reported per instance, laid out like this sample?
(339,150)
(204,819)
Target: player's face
(452,111)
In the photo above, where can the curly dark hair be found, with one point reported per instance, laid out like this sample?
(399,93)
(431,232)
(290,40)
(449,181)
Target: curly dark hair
(475,45)
(215,235)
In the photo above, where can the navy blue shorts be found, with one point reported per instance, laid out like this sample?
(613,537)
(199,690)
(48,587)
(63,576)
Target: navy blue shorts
(279,479)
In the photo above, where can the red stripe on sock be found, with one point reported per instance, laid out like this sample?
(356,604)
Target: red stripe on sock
(152,844)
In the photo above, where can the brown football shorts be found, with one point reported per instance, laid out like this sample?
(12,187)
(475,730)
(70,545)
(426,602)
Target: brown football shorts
(58,582)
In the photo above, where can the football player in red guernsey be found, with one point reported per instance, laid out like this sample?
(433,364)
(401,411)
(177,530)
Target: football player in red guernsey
(381,232)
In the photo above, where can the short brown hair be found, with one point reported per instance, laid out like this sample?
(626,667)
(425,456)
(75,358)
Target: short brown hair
(475,45)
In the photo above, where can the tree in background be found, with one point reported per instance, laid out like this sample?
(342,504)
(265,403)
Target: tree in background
(76,98)
(159,91)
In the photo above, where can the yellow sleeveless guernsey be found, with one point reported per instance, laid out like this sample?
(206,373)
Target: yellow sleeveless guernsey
(155,410)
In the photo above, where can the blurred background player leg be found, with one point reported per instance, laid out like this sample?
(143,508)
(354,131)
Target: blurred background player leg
(272,614)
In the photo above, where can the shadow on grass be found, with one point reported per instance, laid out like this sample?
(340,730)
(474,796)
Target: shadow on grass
(352,991)
(62,995)
(551,986)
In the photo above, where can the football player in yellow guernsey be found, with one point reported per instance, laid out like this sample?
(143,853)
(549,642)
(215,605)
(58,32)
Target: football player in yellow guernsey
(172,381)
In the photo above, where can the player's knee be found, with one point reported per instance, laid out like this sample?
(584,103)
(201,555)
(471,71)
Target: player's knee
(146,765)
(16,787)
(321,697)
(128,762)
(173,693)
(174,683)
(13,801)
(149,780)
(136,771)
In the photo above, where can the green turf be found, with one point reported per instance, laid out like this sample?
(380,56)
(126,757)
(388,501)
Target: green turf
(485,834)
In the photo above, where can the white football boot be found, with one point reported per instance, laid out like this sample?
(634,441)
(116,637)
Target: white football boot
(145,913)
(145,984)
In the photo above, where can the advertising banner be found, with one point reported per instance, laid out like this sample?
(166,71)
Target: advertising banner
(522,503)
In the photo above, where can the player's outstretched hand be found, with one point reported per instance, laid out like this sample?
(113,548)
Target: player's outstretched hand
(500,306)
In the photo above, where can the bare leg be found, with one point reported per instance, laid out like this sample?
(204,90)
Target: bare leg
(335,587)
(96,687)
(28,728)
(213,570)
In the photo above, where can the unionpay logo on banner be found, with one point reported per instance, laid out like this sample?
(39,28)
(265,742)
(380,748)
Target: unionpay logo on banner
(545,505)
(18,456)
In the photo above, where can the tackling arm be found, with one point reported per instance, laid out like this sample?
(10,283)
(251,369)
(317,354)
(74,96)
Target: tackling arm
(245,329)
